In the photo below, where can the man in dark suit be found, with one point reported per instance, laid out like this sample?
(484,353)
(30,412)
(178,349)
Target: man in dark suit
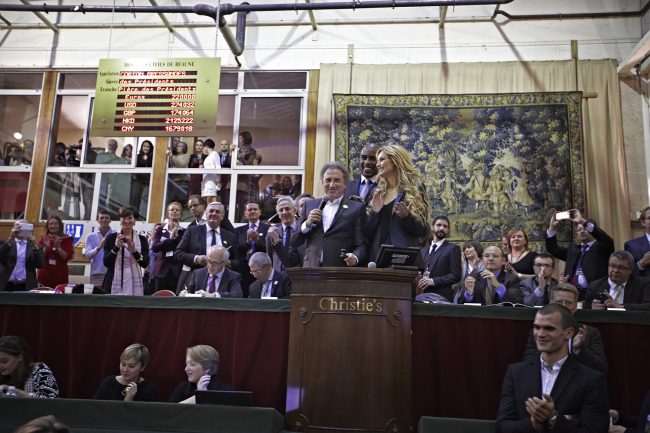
(586,344)
(493,285)
(554,392)
(335,229)
(269,282)
(586,261)
(191,250)
(278,237)
(640,247)
(224,154)
(621,288)
(362,185)
(250,239)
(215,280)
(441,260)
(19,258)
(536,290)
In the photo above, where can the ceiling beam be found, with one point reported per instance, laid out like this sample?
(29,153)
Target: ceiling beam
(312,19)
(41,17)
(163,18)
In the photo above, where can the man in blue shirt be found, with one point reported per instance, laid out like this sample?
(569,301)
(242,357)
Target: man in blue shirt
(94,249)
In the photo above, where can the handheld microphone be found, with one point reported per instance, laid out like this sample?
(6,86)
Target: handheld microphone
(372,265)
(323,202)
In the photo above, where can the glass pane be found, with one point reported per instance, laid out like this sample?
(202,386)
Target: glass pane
(33,81)
(274,128)
(70,125)
(228,80)
(275,80)
(13,190)
(180,186)
(265,189)
(77,81)
(69,195)
(105,150)
(225,119)
(118,190)
(18,114)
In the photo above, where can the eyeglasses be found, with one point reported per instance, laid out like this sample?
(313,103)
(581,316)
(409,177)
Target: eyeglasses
(618,268)
(543,265)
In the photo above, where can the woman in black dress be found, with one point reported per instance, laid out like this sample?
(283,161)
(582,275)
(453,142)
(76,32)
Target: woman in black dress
(201,367)
(129,385)
(520,258)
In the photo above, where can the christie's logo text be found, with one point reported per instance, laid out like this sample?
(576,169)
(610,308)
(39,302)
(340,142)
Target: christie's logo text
(362,305)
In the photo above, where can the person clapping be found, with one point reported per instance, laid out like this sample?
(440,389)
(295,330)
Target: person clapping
(129,385)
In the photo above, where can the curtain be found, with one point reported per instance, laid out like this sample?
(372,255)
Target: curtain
(605,174)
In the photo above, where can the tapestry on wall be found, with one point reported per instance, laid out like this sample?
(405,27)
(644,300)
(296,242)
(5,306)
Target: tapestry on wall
(490,161)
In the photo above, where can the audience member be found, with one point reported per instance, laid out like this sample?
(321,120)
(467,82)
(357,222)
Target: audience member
(270,283)
(140,181)
(399,205)
(215,280)
(537,290)
(287,186)
(332,227)
(362,185)
(224,154)
(126,256)
(492,285)
(554,392)
(94,248)
(250,239)
(129,385)
(300,202)
(621,288)
(127,153)
(586,345)
(505,244)
(278,237)
(246,155)
(201,367)
(193,247)
(442,264)
(210,178)
(43,424)
(472,255)
(623,422)
(586,261)
(520,258)
(166,270)
(59,250)
(196,204)
(178,183)
(20,256)
(109,156)
(640,247)
(31,379)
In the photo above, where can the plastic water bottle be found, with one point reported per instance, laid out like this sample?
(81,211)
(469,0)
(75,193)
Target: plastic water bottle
(11,392)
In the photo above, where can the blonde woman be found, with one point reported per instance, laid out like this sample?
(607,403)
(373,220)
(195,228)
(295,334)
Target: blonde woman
(399,208)
(201,368)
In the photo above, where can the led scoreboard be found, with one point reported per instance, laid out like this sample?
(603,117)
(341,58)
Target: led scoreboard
(156,97)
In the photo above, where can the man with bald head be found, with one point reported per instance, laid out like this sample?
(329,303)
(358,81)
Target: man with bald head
(360,188)
(215,280)
(492,285)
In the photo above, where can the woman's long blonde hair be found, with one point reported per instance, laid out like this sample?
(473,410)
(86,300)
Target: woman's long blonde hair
(409,180)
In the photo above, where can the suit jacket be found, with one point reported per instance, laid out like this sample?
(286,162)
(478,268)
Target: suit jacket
(34,258)
(242,240)
(193,244)
(444,268)
(281,286)
(510,282)
(225,162)
(352,188)
(225,225)
(594,264)
(229,286)
(579,391)
(638,247)
(592,353)
(527,287)
(345,232)
(162,244)
(109,258)
(280,255)
(636,296)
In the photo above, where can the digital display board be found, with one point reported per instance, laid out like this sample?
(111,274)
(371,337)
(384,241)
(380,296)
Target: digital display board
(156,97)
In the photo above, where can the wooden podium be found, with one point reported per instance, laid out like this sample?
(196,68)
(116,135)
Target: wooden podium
(349,364)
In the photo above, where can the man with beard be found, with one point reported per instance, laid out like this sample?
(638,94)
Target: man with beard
(360,188)
(442,265)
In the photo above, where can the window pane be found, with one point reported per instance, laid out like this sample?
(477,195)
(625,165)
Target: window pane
(69,195)
(72,81)
(275,80)
(21,80)
(225,119)
(179,188)
(118,190)
(18,114)
(274,124)
(70,125)
(13,190)
(265,189)
(228,80)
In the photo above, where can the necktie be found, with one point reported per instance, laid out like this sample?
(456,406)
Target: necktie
(212,285)
(287,236)
(253,226)
(364,188)
(575,278)
(429,259)
(618,290)
(266,292)
(214,237)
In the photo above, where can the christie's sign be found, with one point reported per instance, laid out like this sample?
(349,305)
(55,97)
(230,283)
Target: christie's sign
(362,305)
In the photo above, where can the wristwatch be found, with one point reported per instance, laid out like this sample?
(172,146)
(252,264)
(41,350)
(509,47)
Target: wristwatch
(550,423)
